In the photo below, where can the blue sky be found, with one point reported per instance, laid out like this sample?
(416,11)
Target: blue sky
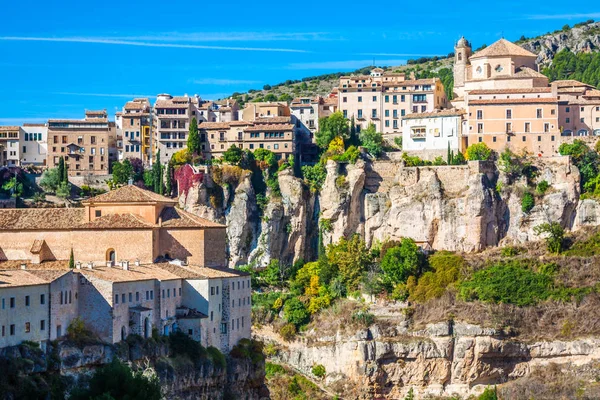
(59,58)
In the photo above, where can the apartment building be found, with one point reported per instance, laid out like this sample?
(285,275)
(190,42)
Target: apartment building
(218,111)
(34,144)
(84,144)
(277,134)
(306,113)
(578,108)
(10,137)
(253,111)
(135,130)
(431,135)
(172,117)
(383,98)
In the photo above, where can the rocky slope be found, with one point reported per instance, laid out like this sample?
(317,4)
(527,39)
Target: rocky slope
(448,358)
(459,208)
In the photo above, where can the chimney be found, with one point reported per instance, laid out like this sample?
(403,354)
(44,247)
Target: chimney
(90,265)
(109,264)
(137,262)
(125,265)
(23,266)
(78,265)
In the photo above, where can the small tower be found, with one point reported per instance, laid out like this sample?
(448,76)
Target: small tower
(462,52)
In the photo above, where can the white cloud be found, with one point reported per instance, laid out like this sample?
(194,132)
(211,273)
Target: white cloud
(397,55)
(223,82)
(344,65)
(143,44)
(565,16)
(229,36)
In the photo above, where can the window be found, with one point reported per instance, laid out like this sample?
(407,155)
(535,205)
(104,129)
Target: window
(12,302)
(223,327)
(137,296)
(168,293)
(374,113)
(419,98)
(508,114)
(27,327)
(539,138)
(174,292)
(479,114)
(42,325)
(360,114)
(403,97)
(26,301)
(402,113)
(568,120)
(479,128)
(179,292)
(116,299)
(98,213)
(211,315)
(387,98)
(3,304)
(494,139)
(345,112)
(508,127)
(582,120)
(568,109)
(374,98)
(524,138)
(387,123)
(553,112)
(395,124)
(546,127)
(12,330)
(217,290)
(527,127)
(123,298)
(539,113)
(360,99)
(480,139)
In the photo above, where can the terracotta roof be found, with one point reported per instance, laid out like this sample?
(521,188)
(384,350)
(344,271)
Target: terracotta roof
(569,83)
(551,100)
(270,127)
(411,82)
(272,120)
(49,274)
(62,265)
(129,194)
(9,128)
(41,218)
(117,221)
(511,91)
(169,104)
(33,125)
(213,125)
(81,121)
(592,93)
(503,48)
(240,123)
(37,246)
(18,277)
(180,99)
(132,105)
(175,218)
(134,273)
(526,72)
(198,272)
(438,113)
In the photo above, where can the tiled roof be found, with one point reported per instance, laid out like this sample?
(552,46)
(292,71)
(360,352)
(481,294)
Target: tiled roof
(592,93)
(569,83)
(117,221)
(438,113)
(134,273)
(240,123)
(272,120)
(411,82)
(41,218)
(526,72)
(503,48)
(511,91)
(9,128)
(37,246)
(169,104)
(551,100)
(175,218)
(132,105)
(213,125)
(18,277)
(197,272)
(34,125)
(80,121)
(270,127)
(180,99)
(129,194)
(49,274)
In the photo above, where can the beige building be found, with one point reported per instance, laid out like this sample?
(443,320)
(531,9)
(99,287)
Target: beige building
(277,134)
(578,108)
(383,98)
(84,144)
(252,111)
(10,137)
(135,130)
(172,117)
(307,111)
(217,111)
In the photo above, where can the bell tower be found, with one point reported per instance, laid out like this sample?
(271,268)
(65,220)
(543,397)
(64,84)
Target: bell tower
(462,52)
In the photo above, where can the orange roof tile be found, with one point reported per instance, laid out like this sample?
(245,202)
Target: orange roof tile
(511,91)
(129,194)
(551,100)
(433,114)
(176,218)
(270,127)
(501,48)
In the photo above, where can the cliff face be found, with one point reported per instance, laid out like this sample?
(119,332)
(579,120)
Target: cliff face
(458,208)
(444,359)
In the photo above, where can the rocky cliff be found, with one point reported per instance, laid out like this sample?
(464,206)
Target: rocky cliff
(459,208)
(444,359)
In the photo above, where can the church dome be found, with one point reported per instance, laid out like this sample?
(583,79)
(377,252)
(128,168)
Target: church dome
(462,42)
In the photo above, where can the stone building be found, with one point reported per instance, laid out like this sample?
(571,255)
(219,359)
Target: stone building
(172,117)
(134,130)
(307,111)
(86,144)
(9,146)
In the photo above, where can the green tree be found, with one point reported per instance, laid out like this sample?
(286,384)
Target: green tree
(295,312)
(61,169)
(122,172)
(117,381)
(270,97)
(555,236)
(372,140)
(169,180)
(350,257)
(331,127)
(233,155)
(71,260)
(64,190)
(478,151)
(402,261)
(285,97)
(489,393)
(193,140)
(314,176)
(157,174)
(527,202)
(51,179)
(13,186)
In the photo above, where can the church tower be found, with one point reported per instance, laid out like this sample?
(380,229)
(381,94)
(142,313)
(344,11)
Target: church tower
(462,52)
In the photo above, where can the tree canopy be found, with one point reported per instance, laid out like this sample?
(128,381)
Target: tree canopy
(331,127)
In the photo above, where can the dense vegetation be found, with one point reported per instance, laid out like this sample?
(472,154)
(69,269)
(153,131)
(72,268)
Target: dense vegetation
(583,67)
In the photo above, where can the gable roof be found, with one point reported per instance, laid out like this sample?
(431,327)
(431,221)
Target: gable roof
(129,194)
(175,218)
(503,48)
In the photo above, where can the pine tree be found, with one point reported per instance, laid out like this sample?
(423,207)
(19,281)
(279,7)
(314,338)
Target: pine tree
(71,260)
(193,141)
(157,174)
(61,170)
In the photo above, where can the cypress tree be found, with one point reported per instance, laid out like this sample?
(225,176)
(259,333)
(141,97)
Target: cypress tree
(449,158)
(71,260)
(169,180)
(160,179)
(156,173)
(193,140)
(61,169)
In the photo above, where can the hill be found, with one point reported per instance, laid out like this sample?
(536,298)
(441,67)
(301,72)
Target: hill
(569,53)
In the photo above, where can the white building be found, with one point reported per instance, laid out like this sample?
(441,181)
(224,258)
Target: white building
(429,135)
(34,144)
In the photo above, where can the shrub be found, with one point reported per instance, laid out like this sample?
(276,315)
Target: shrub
(288,332)
(447,268)
(542,187)
(318,370)
(555,236)
(509,251)
(363,318)
(217,357)
(508,283)
(402,261)
(314,176)
(181,344)
(272,369)
(478,151)
(527,202)
(80,334)
(233,155)
(489,394)
(181,157)
(295,312)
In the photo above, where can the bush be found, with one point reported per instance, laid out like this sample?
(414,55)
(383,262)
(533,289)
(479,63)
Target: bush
(478,151)
(272,369)
(447,268)
(363,318)
(314,176)
(527,202)
(509,251)
(295,312)
(542,187)
(402,261)
(80,334)
(233,155)
(217,357)
(181,344)
(508,283)
(555,236)
(288,332)
(489,394)
(318,370)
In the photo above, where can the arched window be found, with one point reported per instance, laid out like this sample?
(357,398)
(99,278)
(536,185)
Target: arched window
(123,334)
(459,56)
(111,255)
(147,328)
